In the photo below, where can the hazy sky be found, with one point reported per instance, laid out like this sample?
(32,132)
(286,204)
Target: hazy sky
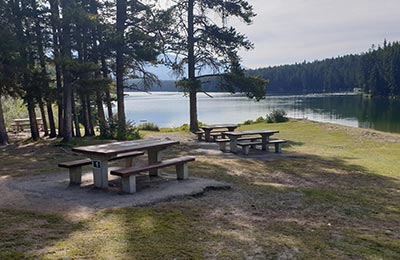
(289,31)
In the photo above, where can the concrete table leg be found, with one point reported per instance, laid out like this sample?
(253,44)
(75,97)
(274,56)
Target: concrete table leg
(264,140)
(154,157)
(75,175)
(207,135)
(182,171)
(100,171)
(129,184)
(233,144)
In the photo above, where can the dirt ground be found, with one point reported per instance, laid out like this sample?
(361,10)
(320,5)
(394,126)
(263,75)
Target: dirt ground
(50,192)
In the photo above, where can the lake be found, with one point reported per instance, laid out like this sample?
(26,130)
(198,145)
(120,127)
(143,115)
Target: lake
(169,109)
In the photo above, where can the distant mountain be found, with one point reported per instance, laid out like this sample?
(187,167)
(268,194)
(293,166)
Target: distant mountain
(209,85)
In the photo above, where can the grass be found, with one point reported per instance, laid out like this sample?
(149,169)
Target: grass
(23,232)
(336,195)
(132,234)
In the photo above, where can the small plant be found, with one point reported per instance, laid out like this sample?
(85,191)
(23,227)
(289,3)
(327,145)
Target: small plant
(277,116)
(248,122)
(131,132)
(184,127)
(149,127)
(260,120)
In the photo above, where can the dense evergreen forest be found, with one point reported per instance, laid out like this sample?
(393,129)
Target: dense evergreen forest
(376,72)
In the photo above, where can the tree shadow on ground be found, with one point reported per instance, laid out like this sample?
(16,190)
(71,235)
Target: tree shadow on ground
(24,233)
(281,207)
(295,205)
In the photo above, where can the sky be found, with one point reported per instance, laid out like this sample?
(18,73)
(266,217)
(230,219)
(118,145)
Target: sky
(289,31)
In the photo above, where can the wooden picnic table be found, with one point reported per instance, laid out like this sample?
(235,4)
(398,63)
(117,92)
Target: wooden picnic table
(208,128)
(19,123)
(233,136)
(101,154)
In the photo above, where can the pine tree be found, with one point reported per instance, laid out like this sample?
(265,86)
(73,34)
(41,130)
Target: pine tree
(202,44)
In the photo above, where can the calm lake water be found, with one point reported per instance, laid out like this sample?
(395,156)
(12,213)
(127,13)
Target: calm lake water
(168,109)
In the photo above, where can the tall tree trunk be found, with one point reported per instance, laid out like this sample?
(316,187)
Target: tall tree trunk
(85,113)
(121,19)
(100,113)
(104,71)
(42,61)
(95,58)
(191,70)
(75,117)
(52,124)
(18,11)
(90,117)
(67,77)
(3,130)
(55,21)
(43,113)
(32,119)
(107,91)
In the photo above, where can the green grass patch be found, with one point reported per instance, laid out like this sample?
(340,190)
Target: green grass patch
(371,151)
(141,233)
(23,233)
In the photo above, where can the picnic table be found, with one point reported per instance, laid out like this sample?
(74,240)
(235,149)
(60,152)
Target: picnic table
(233,136)
(101,154)
(208,128)
(19,123)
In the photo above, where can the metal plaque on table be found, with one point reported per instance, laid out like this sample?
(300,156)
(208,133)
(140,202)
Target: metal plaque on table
(96,164)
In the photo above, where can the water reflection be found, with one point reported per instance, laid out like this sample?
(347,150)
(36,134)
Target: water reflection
(168,109)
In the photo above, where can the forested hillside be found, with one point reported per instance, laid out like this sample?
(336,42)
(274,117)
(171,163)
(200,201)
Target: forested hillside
(376,72)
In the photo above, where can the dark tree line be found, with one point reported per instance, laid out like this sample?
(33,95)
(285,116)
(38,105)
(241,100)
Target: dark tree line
(376,72)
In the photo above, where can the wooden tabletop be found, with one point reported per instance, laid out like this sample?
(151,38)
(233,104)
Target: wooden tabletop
(251,132)
(25,119)
(124,147)
(219,126)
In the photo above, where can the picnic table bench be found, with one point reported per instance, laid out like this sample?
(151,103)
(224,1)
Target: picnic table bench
(263,136)
(128,175)
(223,142)
(246,145)
(212,132)
(19,124)
(75,167)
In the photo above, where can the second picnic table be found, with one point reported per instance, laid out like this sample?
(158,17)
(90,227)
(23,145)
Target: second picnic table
(19,123)
(233,136)
(101,154)
(208,128)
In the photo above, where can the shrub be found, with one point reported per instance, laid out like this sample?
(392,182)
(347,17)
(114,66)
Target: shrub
(149,127)
(184,127)
(277,116)
(248,122)
(260,120)
(131,132)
